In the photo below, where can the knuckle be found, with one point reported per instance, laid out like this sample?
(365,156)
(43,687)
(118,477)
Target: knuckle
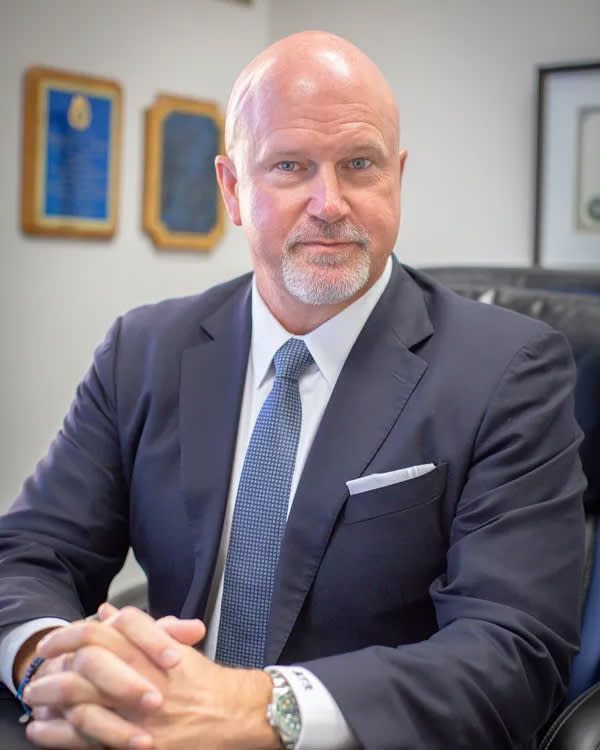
(42,713)
(79,715)
(127,615)
(85,658)
(63,663)
(89,632)
(67,689)
(167,620)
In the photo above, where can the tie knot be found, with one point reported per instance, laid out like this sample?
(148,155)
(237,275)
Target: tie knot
(291,359)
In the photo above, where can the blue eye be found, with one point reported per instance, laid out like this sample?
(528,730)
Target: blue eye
(287,166)
(360,163)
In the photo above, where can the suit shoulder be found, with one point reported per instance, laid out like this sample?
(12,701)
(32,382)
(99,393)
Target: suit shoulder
(181,317)
(481,322)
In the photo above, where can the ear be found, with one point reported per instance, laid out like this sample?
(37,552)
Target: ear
(227,179)
(402,159)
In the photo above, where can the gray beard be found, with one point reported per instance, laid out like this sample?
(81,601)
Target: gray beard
(351,275)
(307,279)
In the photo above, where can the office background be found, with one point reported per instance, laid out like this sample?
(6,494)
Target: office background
(464,74)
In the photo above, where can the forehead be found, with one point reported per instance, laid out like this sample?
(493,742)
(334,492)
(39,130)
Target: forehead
(313,113)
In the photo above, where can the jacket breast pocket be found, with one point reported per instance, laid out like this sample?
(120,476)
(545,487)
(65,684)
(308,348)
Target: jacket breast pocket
(396,498)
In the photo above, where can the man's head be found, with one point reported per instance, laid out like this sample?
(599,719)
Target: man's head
(312,173)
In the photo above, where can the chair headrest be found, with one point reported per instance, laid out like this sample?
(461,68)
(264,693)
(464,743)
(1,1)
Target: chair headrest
(577,282)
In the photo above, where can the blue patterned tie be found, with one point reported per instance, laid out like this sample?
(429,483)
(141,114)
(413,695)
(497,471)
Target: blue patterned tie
(260,514)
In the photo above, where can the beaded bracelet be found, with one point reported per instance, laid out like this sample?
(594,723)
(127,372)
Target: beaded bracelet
(31,670)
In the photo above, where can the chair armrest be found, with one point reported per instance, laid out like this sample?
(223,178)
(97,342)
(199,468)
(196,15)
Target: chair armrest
(578,726)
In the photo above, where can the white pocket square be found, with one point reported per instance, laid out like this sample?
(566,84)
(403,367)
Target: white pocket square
(375,481)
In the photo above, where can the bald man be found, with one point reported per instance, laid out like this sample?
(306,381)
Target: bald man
(358,492)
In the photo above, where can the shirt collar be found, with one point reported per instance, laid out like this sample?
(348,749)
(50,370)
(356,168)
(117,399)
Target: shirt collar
(329,344)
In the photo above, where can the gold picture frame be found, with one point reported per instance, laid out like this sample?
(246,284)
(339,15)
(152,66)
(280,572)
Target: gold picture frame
(71,154)
(183,209)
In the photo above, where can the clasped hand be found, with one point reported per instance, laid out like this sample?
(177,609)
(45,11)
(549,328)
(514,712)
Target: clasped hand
(129,681)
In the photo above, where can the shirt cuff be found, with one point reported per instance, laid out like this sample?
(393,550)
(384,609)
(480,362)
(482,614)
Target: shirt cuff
(323,724)
(15,638)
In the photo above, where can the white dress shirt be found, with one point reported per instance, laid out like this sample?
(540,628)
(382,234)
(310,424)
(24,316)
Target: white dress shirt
(323,725)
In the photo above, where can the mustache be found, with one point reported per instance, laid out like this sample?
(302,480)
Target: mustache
(344,232)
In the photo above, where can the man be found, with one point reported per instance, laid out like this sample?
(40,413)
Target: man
(425,585)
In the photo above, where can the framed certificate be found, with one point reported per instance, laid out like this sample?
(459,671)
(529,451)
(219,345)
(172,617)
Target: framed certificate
(71,151)
(182,204)
(588,169)
(567,212)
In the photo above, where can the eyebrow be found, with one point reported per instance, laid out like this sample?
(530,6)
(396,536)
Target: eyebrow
(291,154)
(280,154)
(370,147)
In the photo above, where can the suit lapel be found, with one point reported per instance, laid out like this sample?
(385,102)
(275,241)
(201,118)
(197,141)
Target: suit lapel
(376,381)
(212,384)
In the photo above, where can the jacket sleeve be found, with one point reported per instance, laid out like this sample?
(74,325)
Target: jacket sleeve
(508,603)
(66,535)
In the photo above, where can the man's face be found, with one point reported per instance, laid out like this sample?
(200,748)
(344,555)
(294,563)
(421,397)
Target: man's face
(316,188)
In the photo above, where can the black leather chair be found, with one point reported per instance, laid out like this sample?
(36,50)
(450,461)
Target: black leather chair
(473,279)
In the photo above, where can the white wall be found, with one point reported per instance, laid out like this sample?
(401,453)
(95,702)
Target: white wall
(464,74)
(57,297)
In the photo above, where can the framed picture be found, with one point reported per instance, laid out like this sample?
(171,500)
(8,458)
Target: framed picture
(182,205)
(71,151)
(567,206)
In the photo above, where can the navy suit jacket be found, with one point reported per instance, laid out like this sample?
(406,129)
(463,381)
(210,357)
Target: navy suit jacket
(441,612)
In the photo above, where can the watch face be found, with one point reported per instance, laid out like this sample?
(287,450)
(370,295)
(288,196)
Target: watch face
(288,714)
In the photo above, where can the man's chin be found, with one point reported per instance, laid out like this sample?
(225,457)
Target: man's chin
(317,284)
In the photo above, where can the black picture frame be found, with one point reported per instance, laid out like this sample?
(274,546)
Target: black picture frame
(568,95)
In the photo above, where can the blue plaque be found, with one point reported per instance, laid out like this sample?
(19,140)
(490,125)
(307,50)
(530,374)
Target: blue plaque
(71,153)
(189,183)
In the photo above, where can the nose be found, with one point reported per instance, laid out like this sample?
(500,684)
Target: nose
(327,201)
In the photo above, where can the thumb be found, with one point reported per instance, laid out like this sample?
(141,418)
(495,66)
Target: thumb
(188,632)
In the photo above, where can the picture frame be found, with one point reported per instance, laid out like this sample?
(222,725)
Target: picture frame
(182,208)
(567,193)
(71,154)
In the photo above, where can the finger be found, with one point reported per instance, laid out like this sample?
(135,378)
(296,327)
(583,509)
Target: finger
(107,727)
(84,727)
(64,689)
(57,733)
(112,657)
(55,665)
(115,678)
(83,633)
(52,666)
(188,632)
(106,610)
(143,631)
(45,713)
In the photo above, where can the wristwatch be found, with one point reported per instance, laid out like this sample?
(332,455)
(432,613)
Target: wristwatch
(283,713)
